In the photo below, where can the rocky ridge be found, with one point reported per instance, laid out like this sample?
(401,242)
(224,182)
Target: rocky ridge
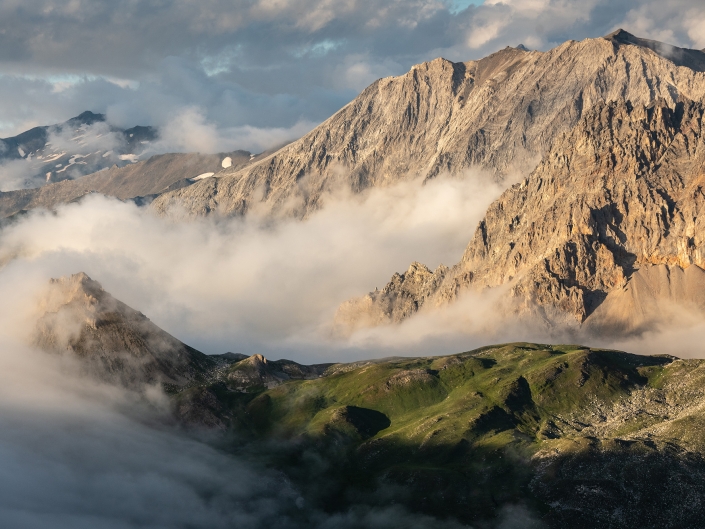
(112,340)
(141,181)
(499,114)
(618,196)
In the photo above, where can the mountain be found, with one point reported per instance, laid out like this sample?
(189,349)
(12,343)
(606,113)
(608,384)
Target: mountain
(580,437)
(79,146)
(500,114)
(112,340)
(569,435)
(607,231)
(141,181)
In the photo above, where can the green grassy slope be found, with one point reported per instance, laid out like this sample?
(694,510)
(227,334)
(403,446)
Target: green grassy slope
(463,435)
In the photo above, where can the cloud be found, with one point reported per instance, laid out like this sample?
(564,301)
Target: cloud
(245,284)
(190,131)
(75,453)
(250,285)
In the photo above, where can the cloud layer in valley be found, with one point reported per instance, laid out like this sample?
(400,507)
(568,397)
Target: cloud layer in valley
(244,284)
(250,285)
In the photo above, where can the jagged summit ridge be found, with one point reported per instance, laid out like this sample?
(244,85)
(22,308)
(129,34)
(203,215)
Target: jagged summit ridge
(693,59)
(501,113)
(114,341)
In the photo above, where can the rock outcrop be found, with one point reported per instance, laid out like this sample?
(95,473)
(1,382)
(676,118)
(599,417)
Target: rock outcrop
(256,372)
(618,195)
(112,340)
(501,113)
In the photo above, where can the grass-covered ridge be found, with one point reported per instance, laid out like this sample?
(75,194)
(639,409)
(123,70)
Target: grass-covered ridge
(462,435)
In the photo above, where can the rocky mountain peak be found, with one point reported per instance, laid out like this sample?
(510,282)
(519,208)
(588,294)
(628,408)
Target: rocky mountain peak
(115,342)
(693,59)
(256,361)
(87,118)
(501,113)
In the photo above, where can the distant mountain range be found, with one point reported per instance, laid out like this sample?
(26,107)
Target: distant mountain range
(139,181)
(577,437)
(77,147)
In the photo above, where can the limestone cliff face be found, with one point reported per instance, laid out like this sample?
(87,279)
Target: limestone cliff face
(501,113)
(622,192)
(112,340)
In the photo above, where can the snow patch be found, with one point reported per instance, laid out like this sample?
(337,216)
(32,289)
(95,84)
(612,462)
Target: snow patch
(19,150)
(227,162)
(201,176)
(129,157)
(54,157)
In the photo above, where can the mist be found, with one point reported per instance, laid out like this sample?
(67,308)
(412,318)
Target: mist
(247,285)
(79,453)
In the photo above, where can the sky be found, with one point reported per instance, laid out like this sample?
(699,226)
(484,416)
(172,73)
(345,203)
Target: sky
(257,73)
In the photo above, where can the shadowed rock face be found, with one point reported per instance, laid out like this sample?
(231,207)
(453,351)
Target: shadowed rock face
(113,341)
(501,114)
(622,192)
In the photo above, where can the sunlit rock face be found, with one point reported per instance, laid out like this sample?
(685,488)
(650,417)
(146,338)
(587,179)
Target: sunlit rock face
(618,195)
(501,113)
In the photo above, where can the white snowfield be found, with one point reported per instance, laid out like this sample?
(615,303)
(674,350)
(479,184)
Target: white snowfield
(227,162)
